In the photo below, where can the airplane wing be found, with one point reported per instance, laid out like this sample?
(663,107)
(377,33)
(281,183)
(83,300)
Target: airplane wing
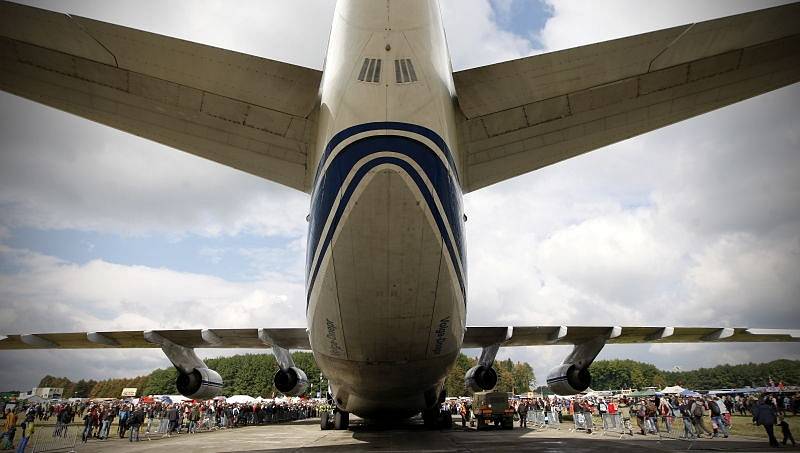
(246,112)
(479,337)
(525,114)
(289,338)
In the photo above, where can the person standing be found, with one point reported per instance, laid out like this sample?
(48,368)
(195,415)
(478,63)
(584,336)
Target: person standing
(172,416)
(787,433)
(522,410)
(715,406)
(135,421)
(685,408)
(28,429)
(764,415)
(9,429)
(698,413)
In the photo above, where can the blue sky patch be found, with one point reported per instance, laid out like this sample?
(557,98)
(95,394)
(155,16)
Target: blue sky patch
(243,257)
(522,17)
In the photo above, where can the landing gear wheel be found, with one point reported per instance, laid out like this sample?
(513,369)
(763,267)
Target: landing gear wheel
(429,417)
(324,421)
(447,421)
(341,420)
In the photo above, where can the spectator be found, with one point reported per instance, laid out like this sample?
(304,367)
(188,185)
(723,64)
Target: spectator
(28,429)
(9,429)
(698,411)
(764,414)
(135,422)
(787,433)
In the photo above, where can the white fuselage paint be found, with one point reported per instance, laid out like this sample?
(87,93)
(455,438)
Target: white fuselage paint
(386,279)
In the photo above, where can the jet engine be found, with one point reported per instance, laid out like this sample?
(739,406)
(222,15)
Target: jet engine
(480,378)
(200,384)
(568,379)
(291,381)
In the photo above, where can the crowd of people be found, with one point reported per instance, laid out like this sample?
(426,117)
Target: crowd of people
(696,417)
(96,420)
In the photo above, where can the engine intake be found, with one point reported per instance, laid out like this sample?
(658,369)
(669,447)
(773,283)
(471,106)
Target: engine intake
(200,384)
(480,378)
(291,382)
(567,379)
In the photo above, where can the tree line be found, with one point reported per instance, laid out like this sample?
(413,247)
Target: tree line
(619,374)
(251,374)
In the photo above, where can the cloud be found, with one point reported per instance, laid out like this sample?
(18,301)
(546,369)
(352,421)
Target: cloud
(696,223)
(104,180)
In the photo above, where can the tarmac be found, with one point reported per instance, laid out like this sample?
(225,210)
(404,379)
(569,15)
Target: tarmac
(412,436)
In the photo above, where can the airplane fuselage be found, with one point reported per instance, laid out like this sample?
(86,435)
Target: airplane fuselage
(386,273)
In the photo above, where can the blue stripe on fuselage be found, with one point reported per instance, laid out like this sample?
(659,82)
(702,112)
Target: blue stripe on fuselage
(331,183)
(387,125)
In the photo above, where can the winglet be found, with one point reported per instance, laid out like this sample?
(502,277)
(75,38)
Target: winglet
(614,332)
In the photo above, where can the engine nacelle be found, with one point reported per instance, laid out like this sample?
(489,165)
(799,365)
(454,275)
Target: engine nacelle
(200,384)
(480,378)
(291,382)
(567,379)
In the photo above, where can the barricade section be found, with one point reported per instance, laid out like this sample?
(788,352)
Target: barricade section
(536,419)
(583,422)
(60,437)
(614,424)
(553,419)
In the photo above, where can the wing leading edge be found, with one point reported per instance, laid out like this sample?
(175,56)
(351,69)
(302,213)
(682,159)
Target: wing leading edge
(289,338)
(479,337)
(529,113)
(246,112)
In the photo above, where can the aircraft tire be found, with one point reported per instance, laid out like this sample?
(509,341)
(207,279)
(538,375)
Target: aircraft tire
(324,424)
(341,420)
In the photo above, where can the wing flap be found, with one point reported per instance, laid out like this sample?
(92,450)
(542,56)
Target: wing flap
(477,337)
(529,113)
(246,112)
(289,338)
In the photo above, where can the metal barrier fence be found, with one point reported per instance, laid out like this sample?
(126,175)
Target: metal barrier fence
(615,424)
(544,419)
(55,438)
(583,422)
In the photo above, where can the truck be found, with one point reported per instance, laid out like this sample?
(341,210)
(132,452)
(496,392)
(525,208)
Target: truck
(492,409)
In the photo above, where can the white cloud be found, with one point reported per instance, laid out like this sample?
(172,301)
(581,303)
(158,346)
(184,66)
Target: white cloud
(474,37)
(576,23)
(693,224)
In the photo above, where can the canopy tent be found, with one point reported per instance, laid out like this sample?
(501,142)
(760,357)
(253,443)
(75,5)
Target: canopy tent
(643,393)
(241,399)
(690,394)
(33,399)
(674,390)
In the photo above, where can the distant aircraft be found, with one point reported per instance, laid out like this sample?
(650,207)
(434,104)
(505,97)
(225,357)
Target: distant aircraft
(386,139)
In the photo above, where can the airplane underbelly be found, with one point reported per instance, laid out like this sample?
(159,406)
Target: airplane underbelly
(386,303)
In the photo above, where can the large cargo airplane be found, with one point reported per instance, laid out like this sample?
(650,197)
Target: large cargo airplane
(386,139)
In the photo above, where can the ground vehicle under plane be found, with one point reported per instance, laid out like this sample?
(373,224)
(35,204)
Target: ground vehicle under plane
(386,140)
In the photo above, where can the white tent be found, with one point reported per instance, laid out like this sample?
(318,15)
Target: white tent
(237,399)
(673,390)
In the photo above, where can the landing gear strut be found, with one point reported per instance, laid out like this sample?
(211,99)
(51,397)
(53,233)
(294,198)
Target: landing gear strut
(438,417)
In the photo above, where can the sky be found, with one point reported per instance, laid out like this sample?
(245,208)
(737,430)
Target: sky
(694,224)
